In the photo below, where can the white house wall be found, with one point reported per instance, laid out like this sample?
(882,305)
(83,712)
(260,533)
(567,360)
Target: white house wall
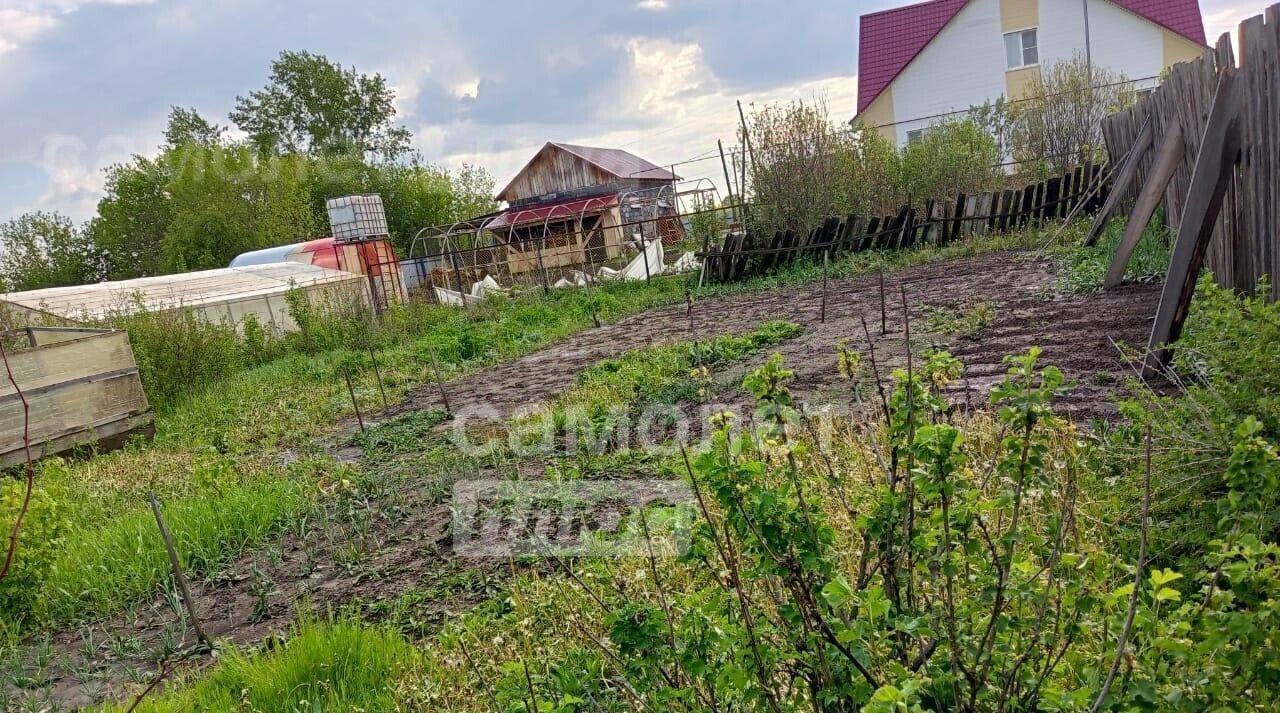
(964,65)
(1120,40)
(964,62)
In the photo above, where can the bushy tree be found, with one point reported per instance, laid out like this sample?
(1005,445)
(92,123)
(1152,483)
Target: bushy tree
(1058,123)
(805,168)
(951,157)
(205,199)
(132,218)
(187,126)
(40,250)
(314,105)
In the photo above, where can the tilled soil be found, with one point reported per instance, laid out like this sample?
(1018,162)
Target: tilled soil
(408,543)
(1078,334)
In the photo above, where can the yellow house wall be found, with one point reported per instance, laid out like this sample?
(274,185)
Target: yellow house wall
(880,115)
(1019,14)
(1179,49)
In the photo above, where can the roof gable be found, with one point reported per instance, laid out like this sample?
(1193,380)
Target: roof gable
(891,39)
(614,163)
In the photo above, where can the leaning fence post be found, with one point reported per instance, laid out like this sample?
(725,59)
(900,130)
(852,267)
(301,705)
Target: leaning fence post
(823,314)
(178,577)
(351,390)
(378,373)
(435,368)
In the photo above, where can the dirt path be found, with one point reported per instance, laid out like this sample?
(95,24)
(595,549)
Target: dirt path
(404,543)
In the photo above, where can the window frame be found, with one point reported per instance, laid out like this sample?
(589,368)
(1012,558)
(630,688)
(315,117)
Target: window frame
(1021,34)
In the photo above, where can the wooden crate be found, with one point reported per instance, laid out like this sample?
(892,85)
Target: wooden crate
(82,387)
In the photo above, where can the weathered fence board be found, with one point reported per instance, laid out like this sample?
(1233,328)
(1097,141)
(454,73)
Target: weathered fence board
(940,222)
(1245,243)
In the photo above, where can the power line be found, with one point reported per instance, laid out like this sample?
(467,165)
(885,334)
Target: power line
(854,127)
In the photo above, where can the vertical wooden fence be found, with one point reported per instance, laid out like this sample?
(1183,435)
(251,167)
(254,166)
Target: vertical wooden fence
(1246,240)
(938,222)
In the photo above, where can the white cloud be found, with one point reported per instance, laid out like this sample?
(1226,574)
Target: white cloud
(24,21)
(652,5)
(74,170)
(1227,20)
(686,106)
(19,27)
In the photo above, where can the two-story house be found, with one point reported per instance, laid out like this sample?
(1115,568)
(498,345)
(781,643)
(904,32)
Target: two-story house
(925,62)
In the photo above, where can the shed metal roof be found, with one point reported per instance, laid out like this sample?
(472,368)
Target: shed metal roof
(616,162)
(164,292)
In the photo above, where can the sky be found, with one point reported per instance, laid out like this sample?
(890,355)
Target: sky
(88,83)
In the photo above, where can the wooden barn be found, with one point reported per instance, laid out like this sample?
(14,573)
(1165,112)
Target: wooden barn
(583,204)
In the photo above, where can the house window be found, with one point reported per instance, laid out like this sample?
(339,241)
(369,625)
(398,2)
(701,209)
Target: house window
(915,136)
(1021,49)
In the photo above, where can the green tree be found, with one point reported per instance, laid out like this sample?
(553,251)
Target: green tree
(314,105)
(951,157)
(806,169)
(187,126)
(1058,124)
(45,250)
(133,216)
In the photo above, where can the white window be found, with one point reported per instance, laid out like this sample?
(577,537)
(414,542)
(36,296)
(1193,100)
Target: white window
(915,136)
(1021,49)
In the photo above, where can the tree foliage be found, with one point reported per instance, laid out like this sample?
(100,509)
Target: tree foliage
(1058,123)
(45,250)
(314,105)
(316,131)
(807,168)
(951,157)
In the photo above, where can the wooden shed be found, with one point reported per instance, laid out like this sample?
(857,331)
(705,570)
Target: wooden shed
(571,199)
(81,387)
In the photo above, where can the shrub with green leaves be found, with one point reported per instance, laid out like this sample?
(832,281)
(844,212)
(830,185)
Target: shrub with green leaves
(39,543)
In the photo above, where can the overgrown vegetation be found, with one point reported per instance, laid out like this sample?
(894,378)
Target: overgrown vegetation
(967,320)
(916,560)
(1081,270)
(910,557)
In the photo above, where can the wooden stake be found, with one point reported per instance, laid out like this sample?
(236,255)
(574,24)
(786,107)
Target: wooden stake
(1168,159)
(728,187)
(1128,171)
(884,317)
(378,373)
(823,314)
(351,390)
(178,577)
(439,382)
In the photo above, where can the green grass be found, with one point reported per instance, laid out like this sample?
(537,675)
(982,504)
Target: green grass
(967,320)
(324,666)
(215,459)
(100,564)
(1081,270)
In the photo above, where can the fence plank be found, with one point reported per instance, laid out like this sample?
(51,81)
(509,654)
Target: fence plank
(1168,158)
(1213,172)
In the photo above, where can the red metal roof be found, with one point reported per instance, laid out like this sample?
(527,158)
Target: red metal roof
(554,211)
(889,40)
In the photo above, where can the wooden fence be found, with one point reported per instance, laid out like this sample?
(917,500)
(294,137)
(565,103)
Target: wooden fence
(82,386)
(939,222)
(1169,125)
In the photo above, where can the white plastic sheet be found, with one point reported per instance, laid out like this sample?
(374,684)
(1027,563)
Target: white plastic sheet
(646,264)
(688,262)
